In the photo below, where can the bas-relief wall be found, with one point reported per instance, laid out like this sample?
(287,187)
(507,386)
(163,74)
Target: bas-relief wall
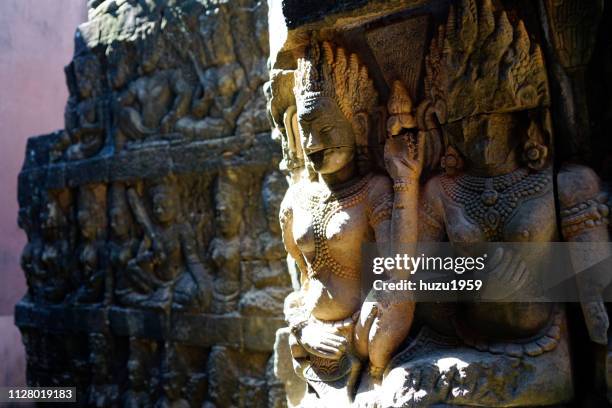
(36,41)
(152,218)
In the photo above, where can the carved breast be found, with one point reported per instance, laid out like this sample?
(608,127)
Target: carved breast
(517,209)
(330,228)
(343,232)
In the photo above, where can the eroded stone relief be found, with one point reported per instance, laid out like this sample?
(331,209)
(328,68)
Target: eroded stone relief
(158,271)
(470,141)
(155,265)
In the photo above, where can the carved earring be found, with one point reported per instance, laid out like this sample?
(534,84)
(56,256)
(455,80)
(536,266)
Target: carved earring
(535,152)
(451,162)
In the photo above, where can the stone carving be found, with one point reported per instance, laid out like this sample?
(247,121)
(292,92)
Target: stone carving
(46,259)
(484,110)
(85,113)
(155,266)
(388,45)
(102,392)
(93,269)
(266,275)
(225,249)
(166,267)
(142,373)
(123,244)
(481,96)
(325,217)
(151,104)
(218,101)
(572,32)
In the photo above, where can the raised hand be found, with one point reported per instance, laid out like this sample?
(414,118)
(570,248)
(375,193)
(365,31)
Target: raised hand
(404,156)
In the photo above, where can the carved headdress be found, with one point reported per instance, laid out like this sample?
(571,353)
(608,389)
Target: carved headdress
(327,71)
(481,62)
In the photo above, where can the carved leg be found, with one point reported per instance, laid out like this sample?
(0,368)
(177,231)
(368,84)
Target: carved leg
(381,328)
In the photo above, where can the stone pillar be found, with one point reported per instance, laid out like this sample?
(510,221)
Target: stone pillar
(154,263)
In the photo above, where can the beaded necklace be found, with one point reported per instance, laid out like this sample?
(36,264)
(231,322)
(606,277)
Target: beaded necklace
(491,201)
(323,204)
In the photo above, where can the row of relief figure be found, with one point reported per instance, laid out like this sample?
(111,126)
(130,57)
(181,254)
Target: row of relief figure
(134,372)
(141,245)
(491,116)
(152,95)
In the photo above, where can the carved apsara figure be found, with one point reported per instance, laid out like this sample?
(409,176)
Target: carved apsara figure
(224,249)
(326,217)
(93,270)
(224,88)
(122,68)
(123,244)
(85,113)
(487,86)
(167,267)
(218,101)
(154,102)
(273,189)
(46,259)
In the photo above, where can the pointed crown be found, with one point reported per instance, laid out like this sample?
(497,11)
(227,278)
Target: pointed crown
(483,63)
(328,71)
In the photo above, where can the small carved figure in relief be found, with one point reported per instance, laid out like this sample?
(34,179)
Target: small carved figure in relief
(121,70)
(152,104)
(585,218)
(84,134)
(218,101)
(123,245)
(142,372)
(225,88)
(91,253)
(121,65)
(46,257)
(327,217)
(224,249)
(167,267)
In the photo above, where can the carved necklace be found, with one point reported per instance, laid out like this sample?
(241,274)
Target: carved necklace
(323,205)
(491,201)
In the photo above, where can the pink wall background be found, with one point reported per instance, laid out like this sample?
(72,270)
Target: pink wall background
(36,41)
